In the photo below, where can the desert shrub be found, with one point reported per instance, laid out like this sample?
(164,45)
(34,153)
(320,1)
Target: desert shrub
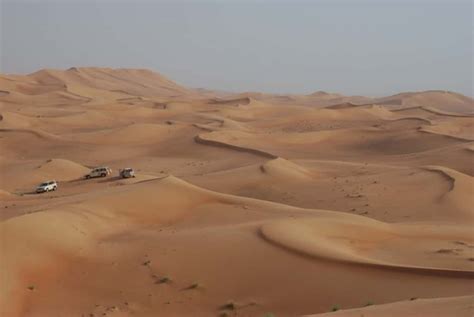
(229,306)
(164,279)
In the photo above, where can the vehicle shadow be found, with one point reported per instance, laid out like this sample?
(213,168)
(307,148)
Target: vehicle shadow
(109,179)
(82,179)
(31,192)
(97,179)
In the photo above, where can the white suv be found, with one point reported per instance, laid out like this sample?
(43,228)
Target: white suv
(127,173)
(99,172)
(46,187)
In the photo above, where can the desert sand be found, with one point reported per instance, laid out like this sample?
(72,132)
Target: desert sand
(244,204)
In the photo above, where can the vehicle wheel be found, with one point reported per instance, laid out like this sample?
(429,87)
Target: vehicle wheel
(103,175)
(54,188)
(88,176)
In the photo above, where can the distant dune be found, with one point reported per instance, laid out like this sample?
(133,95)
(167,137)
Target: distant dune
(243,204)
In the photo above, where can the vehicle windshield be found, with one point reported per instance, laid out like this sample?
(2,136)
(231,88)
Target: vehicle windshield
(43,184)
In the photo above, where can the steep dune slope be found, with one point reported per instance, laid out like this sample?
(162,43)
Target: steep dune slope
(370,242)
(460,196)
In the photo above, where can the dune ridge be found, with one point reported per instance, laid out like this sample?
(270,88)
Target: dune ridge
(460,193)
(205,139)
(319,238)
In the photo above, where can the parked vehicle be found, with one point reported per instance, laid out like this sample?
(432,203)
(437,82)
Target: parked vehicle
(127,172)
(99,172)
(47,186)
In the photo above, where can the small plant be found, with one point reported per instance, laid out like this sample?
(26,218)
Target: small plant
(369,304)
(146,263)
(163,280)
(413,298)
(193,286)
(31,287)
(229,306)
(335,308)
(269,315)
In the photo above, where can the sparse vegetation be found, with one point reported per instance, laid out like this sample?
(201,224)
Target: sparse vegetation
(369,304)
(193,286)
(163,280)
(31,287)
(335,308)
(229,306)
(445,251)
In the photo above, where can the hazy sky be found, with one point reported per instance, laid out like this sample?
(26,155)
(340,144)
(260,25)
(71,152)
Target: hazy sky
(348,46)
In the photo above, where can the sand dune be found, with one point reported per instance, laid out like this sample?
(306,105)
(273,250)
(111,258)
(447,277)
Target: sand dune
(65,169)
(20,177)
(85,224)
(134,133)
(123,81)
(361,142)
(366,241)
(460,193)
(284,169)
(451,306)
(232,102)
(35,132)
(243,204)
(14,121)
(437,99)
(4,194)
(373,191)
(461,128)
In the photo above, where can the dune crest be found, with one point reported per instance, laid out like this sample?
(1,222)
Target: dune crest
(62,169)
(285,170)
(368,242)
(460,194)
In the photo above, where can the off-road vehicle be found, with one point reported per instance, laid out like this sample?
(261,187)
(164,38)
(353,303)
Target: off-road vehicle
(98,172)
(47,186)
